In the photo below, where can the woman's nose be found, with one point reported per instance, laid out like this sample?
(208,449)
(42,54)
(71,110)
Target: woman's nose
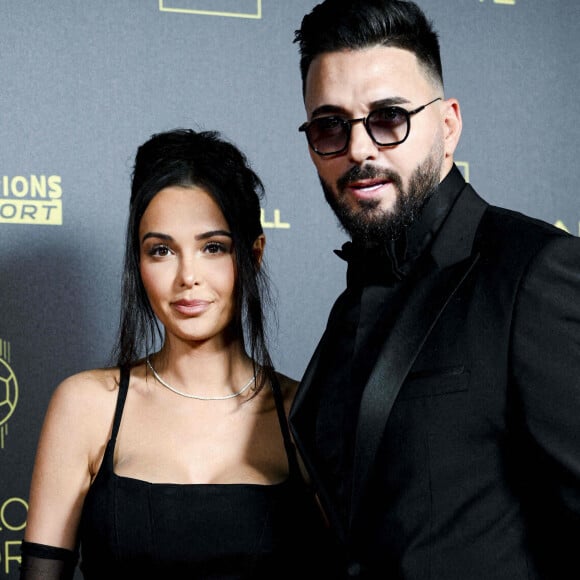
(188,272)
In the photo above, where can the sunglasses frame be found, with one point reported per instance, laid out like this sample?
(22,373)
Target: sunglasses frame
(348,123)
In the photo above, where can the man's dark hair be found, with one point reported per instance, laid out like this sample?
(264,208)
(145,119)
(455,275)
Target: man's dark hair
(335,25)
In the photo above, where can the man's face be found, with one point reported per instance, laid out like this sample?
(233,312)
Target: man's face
(375,190)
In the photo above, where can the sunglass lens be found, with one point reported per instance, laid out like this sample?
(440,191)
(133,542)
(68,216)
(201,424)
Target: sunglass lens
(388,125)
(327,134)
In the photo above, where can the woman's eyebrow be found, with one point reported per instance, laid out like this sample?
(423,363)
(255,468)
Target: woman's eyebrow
(213,233)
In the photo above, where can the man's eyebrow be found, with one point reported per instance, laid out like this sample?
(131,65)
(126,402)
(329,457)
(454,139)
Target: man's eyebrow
(389,102)
(328,110)
(337,110)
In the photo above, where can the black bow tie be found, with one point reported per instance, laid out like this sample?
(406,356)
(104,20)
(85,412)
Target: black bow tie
(376,265)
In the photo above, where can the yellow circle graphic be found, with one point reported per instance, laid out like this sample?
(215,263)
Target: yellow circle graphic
(8,391)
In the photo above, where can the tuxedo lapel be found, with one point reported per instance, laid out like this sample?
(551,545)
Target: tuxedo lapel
(450,262)
(419,314)
(452,259)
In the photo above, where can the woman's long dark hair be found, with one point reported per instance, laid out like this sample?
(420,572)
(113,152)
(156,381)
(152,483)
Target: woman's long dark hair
(183,157)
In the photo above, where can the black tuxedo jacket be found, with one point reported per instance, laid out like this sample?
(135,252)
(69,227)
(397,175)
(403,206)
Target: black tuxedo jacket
(467,446)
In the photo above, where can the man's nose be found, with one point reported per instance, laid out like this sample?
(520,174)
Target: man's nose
(361,147)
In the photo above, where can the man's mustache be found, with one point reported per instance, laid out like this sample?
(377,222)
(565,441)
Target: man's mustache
(358,172)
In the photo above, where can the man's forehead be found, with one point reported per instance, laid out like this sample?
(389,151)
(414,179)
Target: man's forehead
(363,75)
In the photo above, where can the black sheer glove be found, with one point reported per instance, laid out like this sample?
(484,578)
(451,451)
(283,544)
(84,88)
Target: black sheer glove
(40,562)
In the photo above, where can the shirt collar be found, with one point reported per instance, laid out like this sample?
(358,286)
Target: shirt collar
(392,261)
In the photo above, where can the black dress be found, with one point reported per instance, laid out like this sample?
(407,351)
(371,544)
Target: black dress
(135,529)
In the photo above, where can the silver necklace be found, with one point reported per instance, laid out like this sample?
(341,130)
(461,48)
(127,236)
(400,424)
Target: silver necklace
(198,397)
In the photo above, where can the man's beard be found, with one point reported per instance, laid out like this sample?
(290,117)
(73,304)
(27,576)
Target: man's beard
(370,225)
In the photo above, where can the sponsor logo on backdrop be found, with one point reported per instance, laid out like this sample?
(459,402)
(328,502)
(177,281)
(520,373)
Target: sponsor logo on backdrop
(463,166)
(227,8)
(31,200)
(13,512)
(505,2)
(8,390)
(274,221)
(560,224)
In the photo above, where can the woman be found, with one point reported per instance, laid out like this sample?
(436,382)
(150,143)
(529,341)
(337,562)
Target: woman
(178,463)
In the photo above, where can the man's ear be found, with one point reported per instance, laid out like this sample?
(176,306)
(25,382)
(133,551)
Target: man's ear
(452,124)
(258,248)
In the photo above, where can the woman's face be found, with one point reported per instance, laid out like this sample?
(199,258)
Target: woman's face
(187,264)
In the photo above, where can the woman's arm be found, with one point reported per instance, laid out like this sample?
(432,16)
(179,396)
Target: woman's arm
(72,441)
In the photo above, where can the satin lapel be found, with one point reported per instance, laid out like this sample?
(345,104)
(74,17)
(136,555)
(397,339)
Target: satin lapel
(418,316)
(453,259)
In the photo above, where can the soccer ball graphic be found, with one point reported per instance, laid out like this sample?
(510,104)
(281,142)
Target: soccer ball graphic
(8,392)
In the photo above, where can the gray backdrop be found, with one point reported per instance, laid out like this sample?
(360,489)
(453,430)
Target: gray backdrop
(82,84)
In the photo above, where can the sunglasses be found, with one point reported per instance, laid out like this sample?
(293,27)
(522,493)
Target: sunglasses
(386,126)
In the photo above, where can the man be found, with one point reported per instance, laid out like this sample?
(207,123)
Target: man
(439,417)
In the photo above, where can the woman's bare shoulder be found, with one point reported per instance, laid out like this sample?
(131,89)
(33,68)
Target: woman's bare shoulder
(93,382)
(91,390)
(80,413)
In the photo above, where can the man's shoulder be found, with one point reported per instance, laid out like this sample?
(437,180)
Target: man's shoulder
(516,241)
(500,220)
(510,226)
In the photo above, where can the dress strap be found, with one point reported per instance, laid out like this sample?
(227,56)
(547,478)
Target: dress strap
(122,395)
(107,466)
(288,444)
